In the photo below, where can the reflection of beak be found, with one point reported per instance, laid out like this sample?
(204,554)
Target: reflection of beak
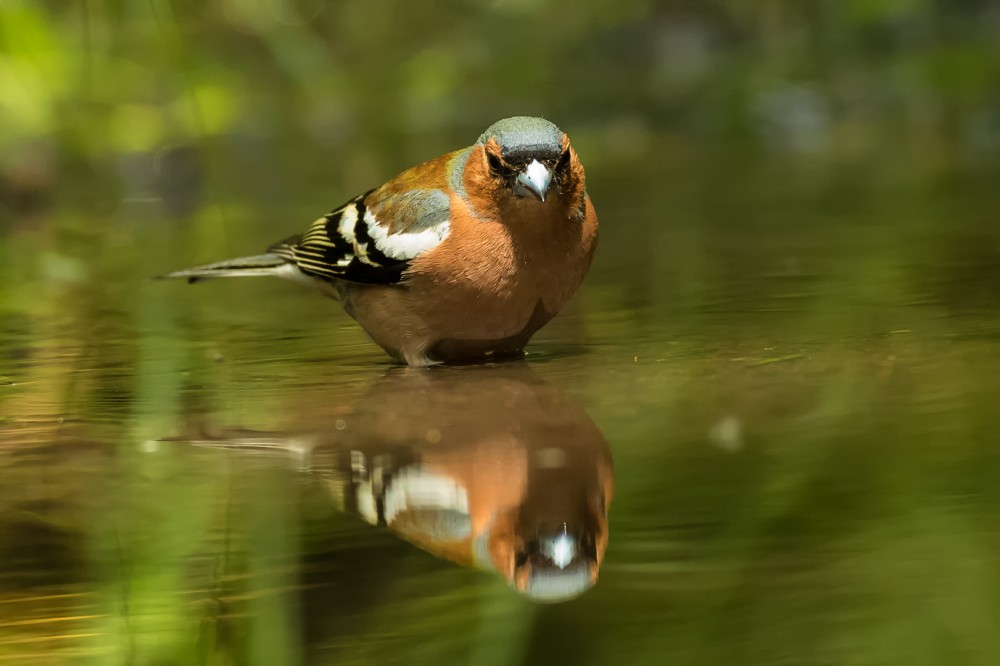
(536,179)
(561,549)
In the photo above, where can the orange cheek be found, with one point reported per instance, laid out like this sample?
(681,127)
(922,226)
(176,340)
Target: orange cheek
(502,544)
(520,580)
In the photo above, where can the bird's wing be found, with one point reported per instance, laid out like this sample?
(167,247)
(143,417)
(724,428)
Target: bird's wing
(373,237)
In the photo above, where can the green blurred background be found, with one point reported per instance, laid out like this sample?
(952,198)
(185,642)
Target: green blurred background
(789,339)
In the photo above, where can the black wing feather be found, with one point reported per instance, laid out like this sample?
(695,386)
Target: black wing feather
(324,252)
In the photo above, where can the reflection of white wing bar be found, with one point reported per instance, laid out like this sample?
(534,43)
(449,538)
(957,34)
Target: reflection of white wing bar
(437,503)
(414,489)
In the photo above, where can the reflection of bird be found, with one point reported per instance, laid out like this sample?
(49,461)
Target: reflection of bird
(486,466)
(457,259)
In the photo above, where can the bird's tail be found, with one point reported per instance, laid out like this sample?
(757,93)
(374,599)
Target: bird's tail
(261,264)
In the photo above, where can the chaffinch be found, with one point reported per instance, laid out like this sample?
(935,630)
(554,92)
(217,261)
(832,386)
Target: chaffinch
(488,467)
(458,259)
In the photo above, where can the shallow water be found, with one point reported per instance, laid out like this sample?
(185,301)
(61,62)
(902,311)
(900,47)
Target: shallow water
(804,460)
(779,378)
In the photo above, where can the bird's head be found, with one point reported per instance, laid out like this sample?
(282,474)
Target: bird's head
(524,160)
(550,556)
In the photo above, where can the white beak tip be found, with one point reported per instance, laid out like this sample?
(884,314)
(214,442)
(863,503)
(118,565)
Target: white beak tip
(536,178)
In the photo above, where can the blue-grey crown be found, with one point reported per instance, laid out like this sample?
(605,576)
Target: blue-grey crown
(524,137)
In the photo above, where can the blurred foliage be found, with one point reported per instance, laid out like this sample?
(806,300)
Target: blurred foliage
(789,337)
(848,82)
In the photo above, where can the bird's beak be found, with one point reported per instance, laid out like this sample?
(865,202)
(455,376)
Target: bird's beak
(561,549)
(536,179)
(560,570)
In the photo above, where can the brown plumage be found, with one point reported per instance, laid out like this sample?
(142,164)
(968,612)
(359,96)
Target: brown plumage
(458,259)
(489,467)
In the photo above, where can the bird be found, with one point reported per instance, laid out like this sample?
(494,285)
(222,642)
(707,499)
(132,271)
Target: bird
(461,259)
(486,466)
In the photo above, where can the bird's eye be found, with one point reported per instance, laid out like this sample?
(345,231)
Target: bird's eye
(520,559)
(496,164)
